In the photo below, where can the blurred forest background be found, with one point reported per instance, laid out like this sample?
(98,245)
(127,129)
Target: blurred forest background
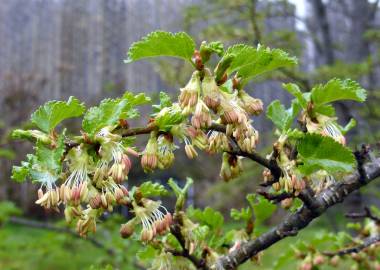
(52,49)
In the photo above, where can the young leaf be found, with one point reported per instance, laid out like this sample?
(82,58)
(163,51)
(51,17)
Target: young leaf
(281,117)
(48,116)
(20,173)
(110,111)
(208,216)
(149,189)
(250,62)
(242,214)
(262,208)
(294,90)
(42,167)
(324,153)
(337,89)
(168,117)
(165,101)
(161,43)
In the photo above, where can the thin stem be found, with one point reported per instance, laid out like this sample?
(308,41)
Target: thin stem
(367,242)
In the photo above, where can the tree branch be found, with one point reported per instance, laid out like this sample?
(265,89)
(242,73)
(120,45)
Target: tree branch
(366,214)
(367,242)
(293,223)
(275,197)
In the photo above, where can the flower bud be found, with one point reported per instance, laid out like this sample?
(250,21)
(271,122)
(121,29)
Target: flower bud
(149,160)
(126,230)
(189,94)
(96,201)
(190,151)
(251,105)
(211,93)
(318,259)
(287,203)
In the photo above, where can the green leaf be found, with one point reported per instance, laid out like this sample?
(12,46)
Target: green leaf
(44,166)
(169,117)
(161,43)
(325,109)
(216,47)
(262,208)
(110,111)
(294,90)
(149,189)
(281,117)
(337,89)
(250,62)
(209,217)
(48,116)
(165,101)
(324,153)
(20,173)
(242,214)
(147,254)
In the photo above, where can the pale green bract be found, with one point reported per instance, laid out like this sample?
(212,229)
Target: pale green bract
(160,43)
(48,116)
(110,111)
(324,153)
(250,62)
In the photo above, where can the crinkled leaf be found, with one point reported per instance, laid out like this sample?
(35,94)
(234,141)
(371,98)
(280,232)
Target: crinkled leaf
(250,62)
(161,43)
(323,153)
(281,117)
(42,167)
(165,101)
(169,117)
(110,111)
(337,89)
(48,116)
(208,216)
(216,47)
(50,158)
(20,173)
(149,189)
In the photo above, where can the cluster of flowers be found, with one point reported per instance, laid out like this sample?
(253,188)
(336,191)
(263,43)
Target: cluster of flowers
(291,179)
(94,183)
(93,186)
(204,101)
